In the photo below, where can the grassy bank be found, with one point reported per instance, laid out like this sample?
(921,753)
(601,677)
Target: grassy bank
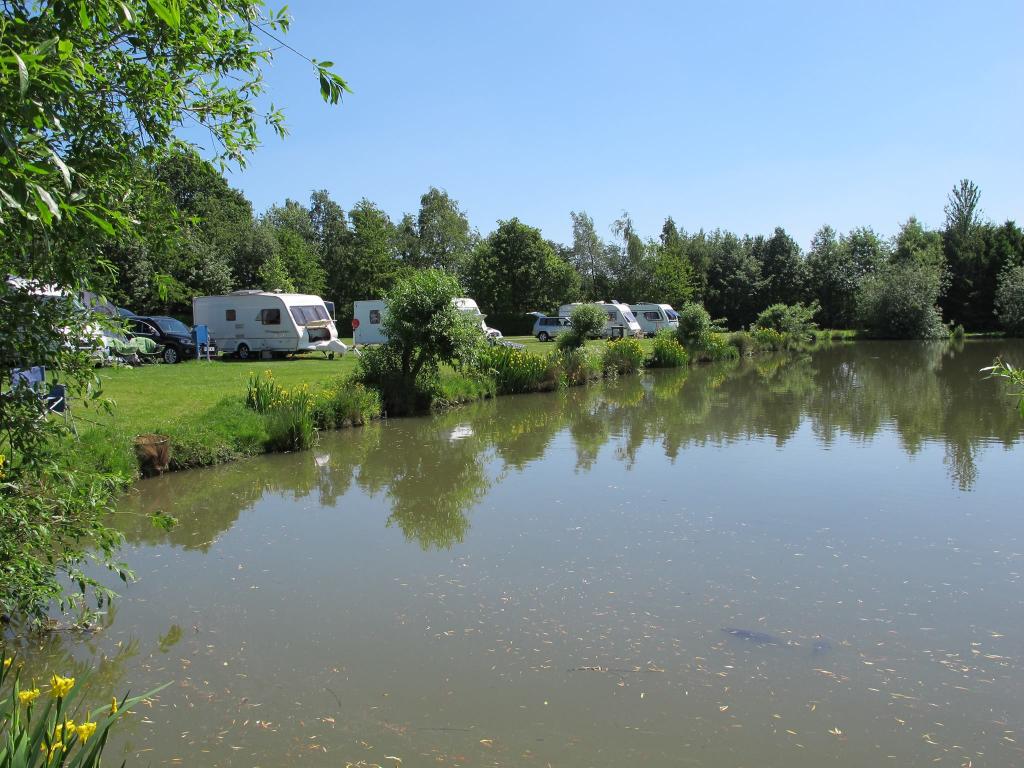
(202,406)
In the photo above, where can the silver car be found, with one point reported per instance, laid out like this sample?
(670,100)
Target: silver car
(546,328)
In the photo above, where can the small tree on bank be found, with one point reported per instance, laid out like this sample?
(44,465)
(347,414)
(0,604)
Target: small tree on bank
(900,302)
(425,330)
(586,321)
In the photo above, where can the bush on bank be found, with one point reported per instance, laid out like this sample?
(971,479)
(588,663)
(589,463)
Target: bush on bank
(622,356)
(666,351)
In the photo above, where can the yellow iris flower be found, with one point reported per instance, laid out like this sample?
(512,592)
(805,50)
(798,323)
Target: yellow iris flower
(61,686)
(85,730)
(26,697)
(7,662)
(113,705)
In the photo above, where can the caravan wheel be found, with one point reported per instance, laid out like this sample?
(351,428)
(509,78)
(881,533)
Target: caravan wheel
(243,352)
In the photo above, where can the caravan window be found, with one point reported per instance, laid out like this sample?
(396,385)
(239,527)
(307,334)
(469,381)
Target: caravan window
(652,316)
(229,315)
(309,314)
(671,314)
(374,317)
(630,318)
(270,316)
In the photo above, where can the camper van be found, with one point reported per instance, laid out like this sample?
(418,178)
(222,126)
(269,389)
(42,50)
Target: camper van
(655,317)
(368,317)
(250,324)
(619,316)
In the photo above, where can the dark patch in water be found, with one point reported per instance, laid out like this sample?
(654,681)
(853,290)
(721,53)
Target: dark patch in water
(761,638)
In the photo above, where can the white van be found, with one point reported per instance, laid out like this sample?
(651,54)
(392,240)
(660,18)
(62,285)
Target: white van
(250,323)
(368,318)
(655,317)
(618,314)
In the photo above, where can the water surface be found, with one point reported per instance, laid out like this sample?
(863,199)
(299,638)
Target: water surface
(544,580)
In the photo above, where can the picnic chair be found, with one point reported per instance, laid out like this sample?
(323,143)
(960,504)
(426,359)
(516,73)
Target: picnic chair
(54,397)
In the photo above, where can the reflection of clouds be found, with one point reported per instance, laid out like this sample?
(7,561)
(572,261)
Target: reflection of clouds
(461,432)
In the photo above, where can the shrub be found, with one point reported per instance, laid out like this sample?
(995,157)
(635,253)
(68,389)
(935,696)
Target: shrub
(795,320)
(586,321)
(695,325)
(425,330)
(577,366)
(666,351)
(743,342)
(462,387)
(290,425)
(515,370)
(959,333)
(713,350)
(1010,300)
(623,356)
(770,340)
(899,302)
(345,403)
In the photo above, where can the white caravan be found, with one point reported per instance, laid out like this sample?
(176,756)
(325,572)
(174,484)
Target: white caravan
(368,318)
(618,314)
(250,323)
(655,317)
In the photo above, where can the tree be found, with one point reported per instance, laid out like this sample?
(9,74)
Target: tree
(900,302)
(443,237)
(734,279)
(1009,300)
(298,246)
(514,271)
(633,269)
(782,268)
(835,268)
(963,216)
(424,330)
(669,280)
(589,257)
(92,92)
(585,321)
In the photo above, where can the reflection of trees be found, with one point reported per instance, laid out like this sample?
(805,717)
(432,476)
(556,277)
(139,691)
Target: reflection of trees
(431,471)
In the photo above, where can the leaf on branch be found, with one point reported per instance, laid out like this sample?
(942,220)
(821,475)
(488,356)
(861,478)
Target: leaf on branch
(47,206)
(169,12)
(103,224)
(83,15)
(22,74)
(63,168)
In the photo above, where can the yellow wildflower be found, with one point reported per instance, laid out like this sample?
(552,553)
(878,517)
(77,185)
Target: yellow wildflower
(61,686)
(66,727)
(7,662)
(54,747)
(26,697)
(85,730)
(113,705)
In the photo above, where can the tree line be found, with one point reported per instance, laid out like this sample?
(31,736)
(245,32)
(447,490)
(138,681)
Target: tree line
(969,272)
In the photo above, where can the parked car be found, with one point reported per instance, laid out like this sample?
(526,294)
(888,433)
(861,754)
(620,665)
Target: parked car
(546,328)
(173,335)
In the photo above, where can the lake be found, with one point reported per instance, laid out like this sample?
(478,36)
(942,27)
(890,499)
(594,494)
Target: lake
(547,579)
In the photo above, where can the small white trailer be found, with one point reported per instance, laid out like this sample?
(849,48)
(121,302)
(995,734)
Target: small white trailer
(619,316)
(368,319)
(655,317)
(249,324)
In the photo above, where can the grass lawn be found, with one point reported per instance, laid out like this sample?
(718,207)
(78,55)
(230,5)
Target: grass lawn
(147,398)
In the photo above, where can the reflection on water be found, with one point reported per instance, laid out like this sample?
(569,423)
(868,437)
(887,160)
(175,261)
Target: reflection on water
(567,563)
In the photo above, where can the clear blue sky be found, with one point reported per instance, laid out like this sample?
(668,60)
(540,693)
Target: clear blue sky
(740,115)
